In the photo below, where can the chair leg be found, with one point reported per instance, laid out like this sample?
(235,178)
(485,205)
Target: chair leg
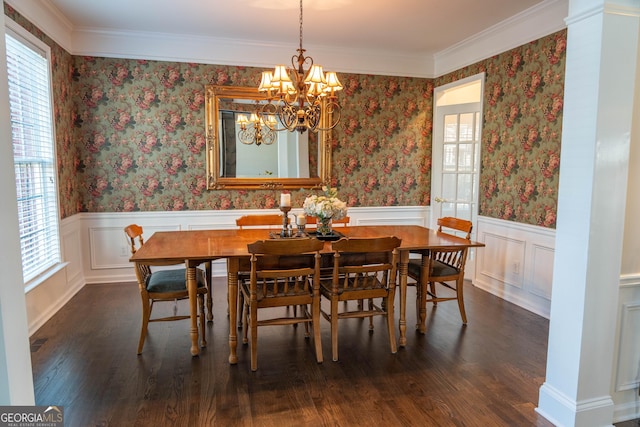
(432,285)
(146,313)
(253,321)
(203,320)
(245,323)
(334,330)
(315,315)
(390,326)
(304,311)
(207,267)
(422,311)
(240,308)
(460,295)
(371,317)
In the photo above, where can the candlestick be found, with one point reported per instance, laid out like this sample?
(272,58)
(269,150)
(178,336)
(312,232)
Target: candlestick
(285,220)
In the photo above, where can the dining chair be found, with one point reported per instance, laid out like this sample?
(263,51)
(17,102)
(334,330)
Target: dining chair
(444,267)
(364,269)
(259,220)
(163,286)
(283,273)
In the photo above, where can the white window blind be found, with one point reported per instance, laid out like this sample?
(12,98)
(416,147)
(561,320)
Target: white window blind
(33,154)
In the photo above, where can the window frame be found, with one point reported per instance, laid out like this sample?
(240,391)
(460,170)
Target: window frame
(54,262)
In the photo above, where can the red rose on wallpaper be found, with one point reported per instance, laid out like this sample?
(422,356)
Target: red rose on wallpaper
(390,127)
(495,94)
(371,183)
(149,143)
(96,143)
(119,74)
(123,164)
(352,165)
(409,146)
(147,98)
(490,188)
(549,217)
(371,106)
(515,64)
(351,86)
(171,77)
(513,115)
(528,190)
(93,97)
(173,121)
(390,164)
(559,48)
(220,77)
(408,183)
(196,100)
(410,108)
(389,200)
(534,83)
(149,186)
(121,120)
(494,141)
(549,166)
(508,164)
(371,146)
(351,125)
(198,187)
(507,211)
(392,88)
(196,143)
(532,137)
(557,101)
(174,165)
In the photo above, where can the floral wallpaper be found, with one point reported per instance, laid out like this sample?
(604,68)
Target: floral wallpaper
(522,129)
(141,131)
(131,136)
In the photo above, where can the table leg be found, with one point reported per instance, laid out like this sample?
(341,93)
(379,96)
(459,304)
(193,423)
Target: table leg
(403,269)
(233,264)
(192,287)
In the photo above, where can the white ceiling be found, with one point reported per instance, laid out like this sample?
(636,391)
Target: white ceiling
(416,29)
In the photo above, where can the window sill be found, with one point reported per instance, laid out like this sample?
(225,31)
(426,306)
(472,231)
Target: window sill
(37,281)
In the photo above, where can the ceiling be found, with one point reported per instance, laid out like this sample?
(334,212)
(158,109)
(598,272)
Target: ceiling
(384,28)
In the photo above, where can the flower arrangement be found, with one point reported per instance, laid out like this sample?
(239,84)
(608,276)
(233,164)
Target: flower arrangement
(326,206)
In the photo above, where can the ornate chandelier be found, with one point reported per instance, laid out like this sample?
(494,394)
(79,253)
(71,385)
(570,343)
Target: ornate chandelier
(255,130)
(299,96)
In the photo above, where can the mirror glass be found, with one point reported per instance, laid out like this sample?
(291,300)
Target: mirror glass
(254,156)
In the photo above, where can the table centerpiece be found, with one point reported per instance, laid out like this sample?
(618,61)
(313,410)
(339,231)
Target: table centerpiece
(325,208)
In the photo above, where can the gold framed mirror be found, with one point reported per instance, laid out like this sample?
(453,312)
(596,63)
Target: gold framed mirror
(241,157)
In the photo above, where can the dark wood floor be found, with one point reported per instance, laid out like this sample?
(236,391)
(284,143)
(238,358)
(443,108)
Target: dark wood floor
(485,374)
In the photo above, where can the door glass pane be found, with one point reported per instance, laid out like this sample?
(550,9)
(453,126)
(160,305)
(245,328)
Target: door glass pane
(465,157)
(449,159)
(477,132)
(450,128)
(448,209)
(464,187)
(463,210)
(466,127)
(449,186)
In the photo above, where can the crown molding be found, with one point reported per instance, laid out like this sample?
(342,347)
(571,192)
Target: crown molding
(534,23)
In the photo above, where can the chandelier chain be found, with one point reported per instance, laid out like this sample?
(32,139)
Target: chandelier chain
(300,25)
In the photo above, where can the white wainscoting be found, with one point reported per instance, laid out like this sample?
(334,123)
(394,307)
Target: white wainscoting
(517,263)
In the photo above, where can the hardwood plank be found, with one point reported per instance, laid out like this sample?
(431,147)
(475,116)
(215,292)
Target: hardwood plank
(485,373)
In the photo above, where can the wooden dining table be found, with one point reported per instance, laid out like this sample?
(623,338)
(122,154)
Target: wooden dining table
(195,247)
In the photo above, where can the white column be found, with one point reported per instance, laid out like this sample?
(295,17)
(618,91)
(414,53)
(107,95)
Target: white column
(600,75)
(16,380)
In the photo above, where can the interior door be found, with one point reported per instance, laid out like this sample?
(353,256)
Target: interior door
(456,166)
